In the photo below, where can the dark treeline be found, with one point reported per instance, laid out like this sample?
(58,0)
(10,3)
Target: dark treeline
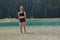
(33,8)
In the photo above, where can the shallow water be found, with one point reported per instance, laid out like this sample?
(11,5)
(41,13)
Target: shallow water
(33,23)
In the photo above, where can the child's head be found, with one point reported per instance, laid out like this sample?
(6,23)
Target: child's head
(21,8)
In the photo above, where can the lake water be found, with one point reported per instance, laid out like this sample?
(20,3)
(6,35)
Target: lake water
(33,23)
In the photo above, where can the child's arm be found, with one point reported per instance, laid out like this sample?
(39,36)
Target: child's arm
(25,15)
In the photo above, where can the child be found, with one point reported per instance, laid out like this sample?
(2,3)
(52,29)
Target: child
(22,19)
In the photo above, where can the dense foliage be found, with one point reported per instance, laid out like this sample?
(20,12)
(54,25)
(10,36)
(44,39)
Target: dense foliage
(33,8)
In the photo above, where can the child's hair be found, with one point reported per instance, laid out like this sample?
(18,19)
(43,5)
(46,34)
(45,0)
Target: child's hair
(20,8)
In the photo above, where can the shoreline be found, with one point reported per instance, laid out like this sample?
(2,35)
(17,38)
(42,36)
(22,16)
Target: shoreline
(14,19)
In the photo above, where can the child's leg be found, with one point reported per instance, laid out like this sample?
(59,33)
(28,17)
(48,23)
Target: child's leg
(24,24)
(21,27)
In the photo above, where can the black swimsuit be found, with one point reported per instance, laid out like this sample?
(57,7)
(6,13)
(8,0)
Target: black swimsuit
(21,14)
(22,19)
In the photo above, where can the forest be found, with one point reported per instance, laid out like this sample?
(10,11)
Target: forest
(33,8)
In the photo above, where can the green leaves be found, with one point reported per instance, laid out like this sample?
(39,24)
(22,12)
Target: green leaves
(33,8)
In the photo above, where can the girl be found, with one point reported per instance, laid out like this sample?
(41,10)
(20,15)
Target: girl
(22,19)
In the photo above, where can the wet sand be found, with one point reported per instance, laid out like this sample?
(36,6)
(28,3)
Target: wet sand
(33,33)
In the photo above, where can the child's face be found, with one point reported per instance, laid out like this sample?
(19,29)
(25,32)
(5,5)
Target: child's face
(21,8)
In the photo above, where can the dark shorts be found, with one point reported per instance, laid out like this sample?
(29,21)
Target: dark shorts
(22,19)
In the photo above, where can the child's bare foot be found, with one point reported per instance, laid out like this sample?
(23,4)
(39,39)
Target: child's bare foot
(25,32)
